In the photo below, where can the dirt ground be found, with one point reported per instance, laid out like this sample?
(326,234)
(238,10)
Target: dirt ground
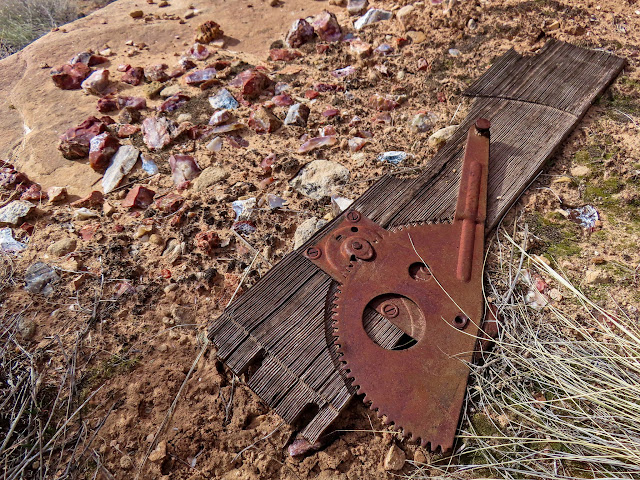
(130,321)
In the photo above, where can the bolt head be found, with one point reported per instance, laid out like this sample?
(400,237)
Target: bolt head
(483,125)
(390,310)
(313,253)
(353,216)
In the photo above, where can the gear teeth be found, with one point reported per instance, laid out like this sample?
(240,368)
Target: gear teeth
(410,432)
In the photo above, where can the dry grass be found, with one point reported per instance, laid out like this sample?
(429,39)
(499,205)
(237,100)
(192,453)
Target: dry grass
(23,21)
(559,397)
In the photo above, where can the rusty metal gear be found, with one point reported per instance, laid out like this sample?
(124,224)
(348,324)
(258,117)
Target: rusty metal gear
(427,281)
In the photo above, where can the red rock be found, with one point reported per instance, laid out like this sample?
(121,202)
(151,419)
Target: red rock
(103,147)
(28,228)
(187,63)
(138,197)
(137,103)
(382,104)
(327,130)
(165,273)
(34,193)
(183,168)
(326,27)
(107,120)
(360,48)
(10,177)
(344,72)
(330,112)
(107,104)
(75,142)
(301,446)
(157,73)
(311,94)
(127,130)
(382,117)
(94,200)
(442,98)
(283,100)
(199,76)
(284,54)
(169,203)
(356,143)
(125,288)
(422,65)
(176,72)
(251,82)
(236,141)
(208,32)
(328,87)
(299,33)
(267,163)
(317,142)
(263,120)
(118,228)
(133,75)
(157,132)
(70,77)
(174,102)
(207,241)
(88,231)
(196,132)
(322,48)
(265,182)
(220,117)
(123,67)
(199,52)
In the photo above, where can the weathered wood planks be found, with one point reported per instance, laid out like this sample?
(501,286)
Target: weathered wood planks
(283,324)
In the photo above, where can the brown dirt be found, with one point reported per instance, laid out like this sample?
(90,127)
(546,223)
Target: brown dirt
(141,331)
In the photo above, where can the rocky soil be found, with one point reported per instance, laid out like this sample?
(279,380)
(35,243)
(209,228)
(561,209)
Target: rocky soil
(161,156)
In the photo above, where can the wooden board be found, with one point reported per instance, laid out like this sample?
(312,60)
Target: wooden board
(283,324)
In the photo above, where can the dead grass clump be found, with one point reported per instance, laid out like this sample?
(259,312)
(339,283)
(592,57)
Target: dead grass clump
(23,21)
(41,432)
(559,397)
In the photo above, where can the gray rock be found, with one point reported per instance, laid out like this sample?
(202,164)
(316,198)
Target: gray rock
(97,82)
(373,15)
(39,277)
(13,213)
(209,177)
(356,7)
(174,250)
(223,99)
(26,327)
(8,244)
(62,247)
(596,277)
(340,204)
(405,15)
(394,157)
(440,137)
(318,178)
(121,164)
(297,115)
(394,460)
(148,165)
(306,230)
(171,90)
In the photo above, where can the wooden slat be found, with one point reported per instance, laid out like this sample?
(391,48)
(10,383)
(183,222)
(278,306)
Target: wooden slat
(285,322)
